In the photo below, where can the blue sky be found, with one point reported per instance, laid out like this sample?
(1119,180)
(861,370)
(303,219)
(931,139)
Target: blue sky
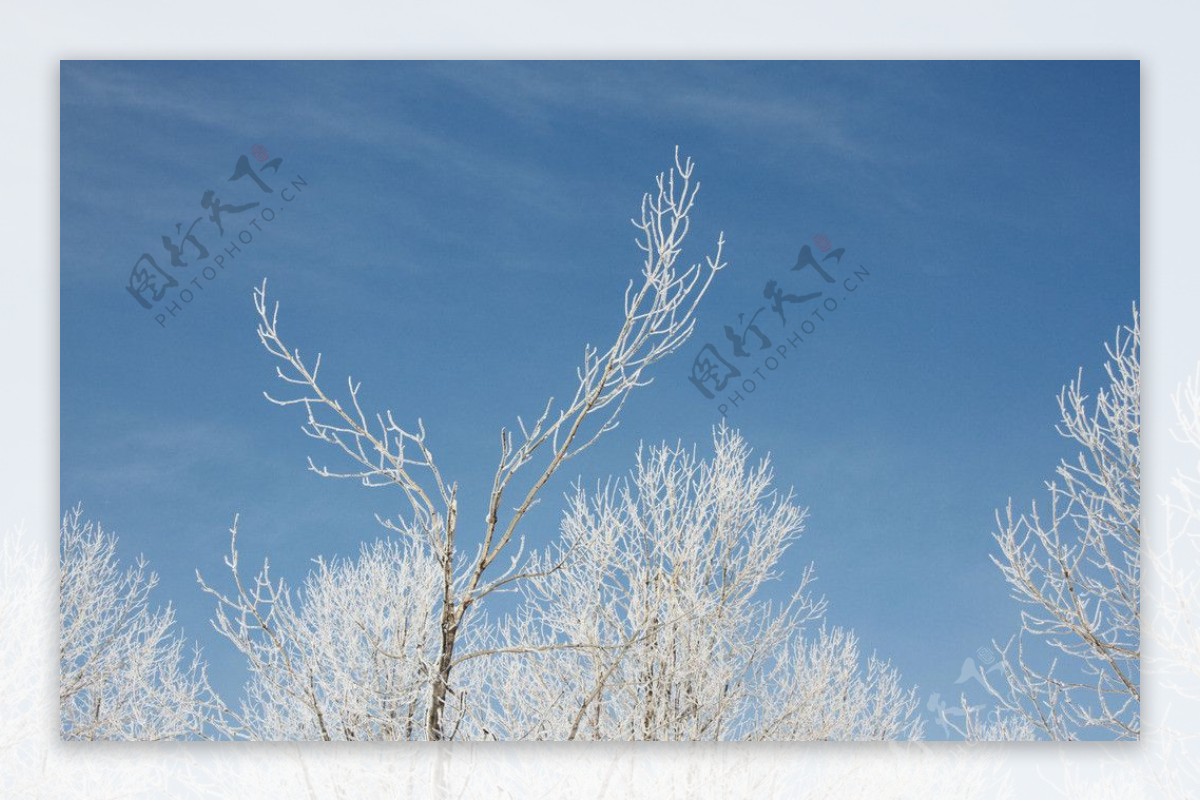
(462,230)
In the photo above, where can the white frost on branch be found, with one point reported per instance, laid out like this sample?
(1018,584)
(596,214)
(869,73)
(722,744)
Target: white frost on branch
(1075,568)
(659,316)
(348,656)
(123,672)
(652,620)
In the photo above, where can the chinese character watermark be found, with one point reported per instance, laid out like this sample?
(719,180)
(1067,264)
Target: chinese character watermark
(161,281)
(761,340)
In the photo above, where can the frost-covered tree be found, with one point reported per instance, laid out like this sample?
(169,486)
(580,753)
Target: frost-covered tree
(649,619)
(348,656)
(124,674)
(653,619)
(1074,565)
(476,560)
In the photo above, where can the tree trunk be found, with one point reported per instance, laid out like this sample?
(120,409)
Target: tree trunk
(441,680)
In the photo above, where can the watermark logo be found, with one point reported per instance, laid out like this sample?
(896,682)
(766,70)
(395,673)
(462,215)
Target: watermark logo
(161,281)
(788,316)
(971,670)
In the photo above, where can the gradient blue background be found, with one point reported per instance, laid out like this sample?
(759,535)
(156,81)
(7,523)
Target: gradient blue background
(464,232)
